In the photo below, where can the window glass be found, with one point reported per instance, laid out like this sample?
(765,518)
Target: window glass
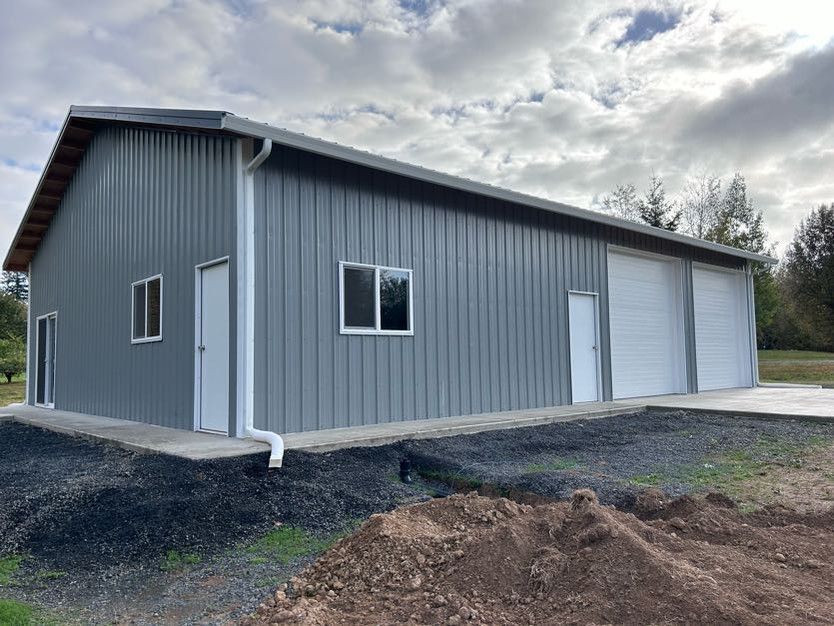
(139,311)
(393,299)
(153,292)
(359,297)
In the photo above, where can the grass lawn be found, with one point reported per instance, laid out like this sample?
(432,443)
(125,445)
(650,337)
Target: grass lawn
(796,366)
(13,391)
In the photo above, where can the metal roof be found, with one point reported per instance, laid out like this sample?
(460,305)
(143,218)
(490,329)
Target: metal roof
(79,127)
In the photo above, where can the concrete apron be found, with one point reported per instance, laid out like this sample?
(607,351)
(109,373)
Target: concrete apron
(806,404)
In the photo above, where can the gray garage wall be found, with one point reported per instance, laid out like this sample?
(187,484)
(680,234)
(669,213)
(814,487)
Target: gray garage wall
(142,202)
(490,297)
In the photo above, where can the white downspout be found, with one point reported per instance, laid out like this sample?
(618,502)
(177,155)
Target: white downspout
(273,439)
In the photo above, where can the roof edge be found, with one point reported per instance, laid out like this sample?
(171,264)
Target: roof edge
(259,130)
(223,121)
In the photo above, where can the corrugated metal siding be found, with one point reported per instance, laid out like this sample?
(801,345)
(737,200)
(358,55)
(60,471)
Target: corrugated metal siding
(490,297)
(141,203)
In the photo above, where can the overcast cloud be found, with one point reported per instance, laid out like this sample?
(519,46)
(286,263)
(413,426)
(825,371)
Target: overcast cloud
(559,99)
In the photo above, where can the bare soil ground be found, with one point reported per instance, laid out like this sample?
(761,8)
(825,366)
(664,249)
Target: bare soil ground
(469,558)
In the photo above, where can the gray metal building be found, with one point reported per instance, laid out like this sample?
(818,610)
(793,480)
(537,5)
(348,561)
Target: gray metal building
(199,270)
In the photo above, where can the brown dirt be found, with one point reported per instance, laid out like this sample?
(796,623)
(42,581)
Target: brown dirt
(469,558)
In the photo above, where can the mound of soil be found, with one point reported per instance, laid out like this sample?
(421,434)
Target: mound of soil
(469,558)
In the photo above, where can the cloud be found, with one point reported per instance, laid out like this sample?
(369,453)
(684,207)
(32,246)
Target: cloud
(560,99)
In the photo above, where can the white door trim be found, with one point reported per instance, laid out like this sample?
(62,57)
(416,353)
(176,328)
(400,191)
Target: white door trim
(595,296)
(48,369)
(198,318)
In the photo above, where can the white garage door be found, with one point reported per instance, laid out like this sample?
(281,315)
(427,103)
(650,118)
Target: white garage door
(644,296)
(722,329)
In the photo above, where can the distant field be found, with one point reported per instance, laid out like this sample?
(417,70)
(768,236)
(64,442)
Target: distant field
(796,366)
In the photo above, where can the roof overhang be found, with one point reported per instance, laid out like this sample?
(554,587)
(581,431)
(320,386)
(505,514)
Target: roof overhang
(81,122)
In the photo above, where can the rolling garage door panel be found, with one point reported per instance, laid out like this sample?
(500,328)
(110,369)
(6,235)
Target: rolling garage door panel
(722,331)
(644,312)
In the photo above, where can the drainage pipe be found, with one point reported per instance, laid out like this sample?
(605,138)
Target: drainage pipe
(273,439)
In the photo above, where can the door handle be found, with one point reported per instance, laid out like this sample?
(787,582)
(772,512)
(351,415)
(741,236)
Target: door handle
(201,348)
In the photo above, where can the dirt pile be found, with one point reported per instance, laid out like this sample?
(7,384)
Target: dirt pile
(469,558)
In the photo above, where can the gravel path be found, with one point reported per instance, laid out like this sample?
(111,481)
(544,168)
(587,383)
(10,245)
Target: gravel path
(102,518)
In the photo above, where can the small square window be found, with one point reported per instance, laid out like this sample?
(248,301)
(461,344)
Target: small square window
(375,300)
(147,310)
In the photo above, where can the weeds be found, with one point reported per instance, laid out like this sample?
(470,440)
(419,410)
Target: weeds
(287,543)
(175,560)
(9,566)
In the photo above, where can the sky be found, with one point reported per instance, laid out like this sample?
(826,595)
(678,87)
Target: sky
(563,100)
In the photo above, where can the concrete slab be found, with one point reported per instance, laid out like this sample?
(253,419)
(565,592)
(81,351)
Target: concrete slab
(763,402)
(135,436)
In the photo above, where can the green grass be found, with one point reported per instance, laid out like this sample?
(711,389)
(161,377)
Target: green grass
(729,471)
(16,614)
(648,480)
(9,565)
(175,560)
(555,464)
(458,481)
(11,392)
(797,366)
(286,544)
(794,355)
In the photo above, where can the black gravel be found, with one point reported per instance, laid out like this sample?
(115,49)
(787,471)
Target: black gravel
(104,516)
(70,503)
(606,454)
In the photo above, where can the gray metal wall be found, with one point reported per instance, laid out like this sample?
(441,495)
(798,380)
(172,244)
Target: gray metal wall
(142,202)
(490,296)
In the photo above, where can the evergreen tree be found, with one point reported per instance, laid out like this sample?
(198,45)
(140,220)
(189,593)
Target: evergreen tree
(808,279)
(655,210)
(16,284)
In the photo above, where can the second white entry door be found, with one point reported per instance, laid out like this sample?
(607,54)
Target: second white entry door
(584,347)
(214,348)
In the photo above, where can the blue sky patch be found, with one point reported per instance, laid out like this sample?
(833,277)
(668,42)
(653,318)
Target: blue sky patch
(646,24)
(29,167)
(351,28)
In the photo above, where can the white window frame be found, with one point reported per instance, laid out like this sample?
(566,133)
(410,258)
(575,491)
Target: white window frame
(378,330)
(145,281)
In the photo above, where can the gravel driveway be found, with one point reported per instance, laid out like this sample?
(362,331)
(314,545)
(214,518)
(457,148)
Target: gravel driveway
(94,521)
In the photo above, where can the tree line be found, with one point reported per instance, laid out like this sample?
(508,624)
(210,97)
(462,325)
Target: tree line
(794,300)
(14,296)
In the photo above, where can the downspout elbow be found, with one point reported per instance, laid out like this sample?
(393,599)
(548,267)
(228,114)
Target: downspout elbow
(276,457)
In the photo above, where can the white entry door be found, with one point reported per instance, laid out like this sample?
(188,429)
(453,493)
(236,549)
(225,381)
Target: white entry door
(584,347)
(213,348)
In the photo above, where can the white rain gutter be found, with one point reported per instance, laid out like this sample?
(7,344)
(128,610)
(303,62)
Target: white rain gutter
(273,439)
